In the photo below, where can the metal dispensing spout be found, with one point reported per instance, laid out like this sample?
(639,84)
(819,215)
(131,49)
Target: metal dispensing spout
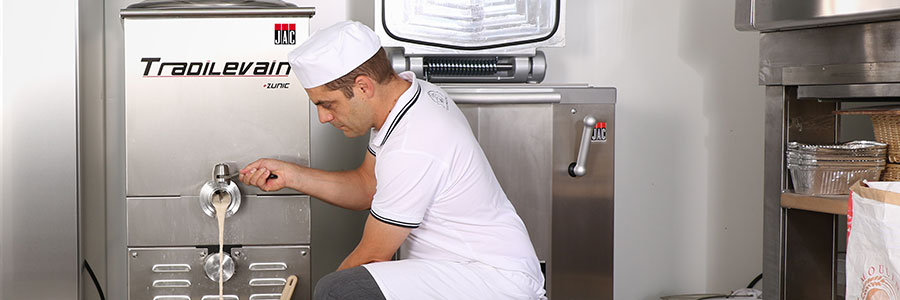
(221,183)
(220,174)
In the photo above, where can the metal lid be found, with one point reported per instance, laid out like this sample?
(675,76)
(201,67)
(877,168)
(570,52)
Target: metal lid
(203,4)
(471,27)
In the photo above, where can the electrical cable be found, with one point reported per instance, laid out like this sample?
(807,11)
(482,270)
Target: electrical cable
(755,280)
(94,279)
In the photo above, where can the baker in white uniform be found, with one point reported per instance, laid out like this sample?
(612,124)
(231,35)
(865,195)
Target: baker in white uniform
(429,188)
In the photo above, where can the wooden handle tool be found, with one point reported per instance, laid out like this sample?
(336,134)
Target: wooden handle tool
(289,287)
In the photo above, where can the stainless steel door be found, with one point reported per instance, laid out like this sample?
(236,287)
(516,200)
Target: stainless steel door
(583,207)
(531,134)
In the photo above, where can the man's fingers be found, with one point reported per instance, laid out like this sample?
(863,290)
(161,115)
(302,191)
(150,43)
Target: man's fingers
(254,175)
(257,174)
(247,178)
(244,177)
(252,166)
(261,177)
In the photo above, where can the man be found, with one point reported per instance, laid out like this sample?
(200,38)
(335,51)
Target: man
(425,180)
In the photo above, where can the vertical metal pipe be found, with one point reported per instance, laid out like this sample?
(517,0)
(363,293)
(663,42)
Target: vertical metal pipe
(91,148)
(773,183)
(114,89)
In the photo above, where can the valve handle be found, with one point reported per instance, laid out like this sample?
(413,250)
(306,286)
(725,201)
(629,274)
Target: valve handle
(577,168)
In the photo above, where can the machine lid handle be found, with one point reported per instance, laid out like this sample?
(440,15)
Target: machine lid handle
(508,98)
(216,12)
(171,4)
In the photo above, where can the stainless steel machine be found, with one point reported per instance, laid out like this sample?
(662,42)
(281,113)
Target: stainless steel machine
(816,56)
(207,91)
(551,146)
(552,149)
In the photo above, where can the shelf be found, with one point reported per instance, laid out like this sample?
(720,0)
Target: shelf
(836,204)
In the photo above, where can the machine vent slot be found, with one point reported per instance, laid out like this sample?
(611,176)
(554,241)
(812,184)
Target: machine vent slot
(216,297)
(173,297)
(276,266)
(268,282)
(171,268)
(265,297)
(172,283)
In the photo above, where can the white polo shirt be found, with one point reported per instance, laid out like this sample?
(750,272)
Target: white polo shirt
(432,176)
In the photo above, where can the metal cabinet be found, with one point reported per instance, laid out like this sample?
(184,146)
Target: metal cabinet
(532,135)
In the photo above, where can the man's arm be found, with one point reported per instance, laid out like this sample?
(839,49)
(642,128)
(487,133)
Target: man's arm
(379,242)
(351,189)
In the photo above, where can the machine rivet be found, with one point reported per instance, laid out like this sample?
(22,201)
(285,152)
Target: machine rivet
(303,252)
(574,111)
(133,254)
(202,255)
(237,253)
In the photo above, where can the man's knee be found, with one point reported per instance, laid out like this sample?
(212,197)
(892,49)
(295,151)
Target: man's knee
(349,284)
(327,285)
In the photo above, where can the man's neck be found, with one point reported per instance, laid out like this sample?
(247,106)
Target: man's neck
(392,92)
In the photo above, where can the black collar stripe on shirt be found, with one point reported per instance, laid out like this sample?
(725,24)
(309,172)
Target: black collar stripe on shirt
(394,222)
(400,115)
(371,151)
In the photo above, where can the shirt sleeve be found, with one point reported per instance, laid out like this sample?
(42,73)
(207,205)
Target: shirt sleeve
(406,186)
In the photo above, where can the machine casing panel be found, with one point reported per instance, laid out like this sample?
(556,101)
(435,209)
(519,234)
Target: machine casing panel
(202,90)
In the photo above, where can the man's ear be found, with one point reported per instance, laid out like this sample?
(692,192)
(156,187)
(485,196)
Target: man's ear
(365,85)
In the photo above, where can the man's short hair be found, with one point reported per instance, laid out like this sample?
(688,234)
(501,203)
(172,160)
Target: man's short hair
(376,67)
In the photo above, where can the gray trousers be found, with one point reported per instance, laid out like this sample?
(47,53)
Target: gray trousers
(350,284)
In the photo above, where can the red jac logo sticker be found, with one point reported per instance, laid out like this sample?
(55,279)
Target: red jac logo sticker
(598,134)
(285,34)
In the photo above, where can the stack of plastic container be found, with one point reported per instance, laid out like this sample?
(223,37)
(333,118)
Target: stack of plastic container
(832,169)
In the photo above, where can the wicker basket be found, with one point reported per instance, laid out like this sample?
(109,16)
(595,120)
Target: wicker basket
(887,130)
(891,173)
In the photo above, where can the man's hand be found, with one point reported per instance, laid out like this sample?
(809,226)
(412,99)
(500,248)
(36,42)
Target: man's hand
(257,174)
(352,189)
(379,242)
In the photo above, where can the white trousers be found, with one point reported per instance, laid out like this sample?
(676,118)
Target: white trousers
(417,279)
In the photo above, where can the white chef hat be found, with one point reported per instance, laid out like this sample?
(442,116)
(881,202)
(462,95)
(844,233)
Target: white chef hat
(333,52)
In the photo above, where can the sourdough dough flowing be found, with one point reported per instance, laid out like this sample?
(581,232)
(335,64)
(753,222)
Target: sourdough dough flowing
(220,202)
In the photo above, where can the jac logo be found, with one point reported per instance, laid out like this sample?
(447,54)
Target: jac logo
(277,85)
(598,134)
(285,34)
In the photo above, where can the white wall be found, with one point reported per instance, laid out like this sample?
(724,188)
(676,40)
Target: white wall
(1,143)
(690,139)
(329,12)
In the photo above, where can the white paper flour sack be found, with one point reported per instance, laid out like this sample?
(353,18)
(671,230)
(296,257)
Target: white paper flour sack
(873,241)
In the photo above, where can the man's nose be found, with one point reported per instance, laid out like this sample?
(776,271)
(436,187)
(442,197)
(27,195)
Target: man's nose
(324,116)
